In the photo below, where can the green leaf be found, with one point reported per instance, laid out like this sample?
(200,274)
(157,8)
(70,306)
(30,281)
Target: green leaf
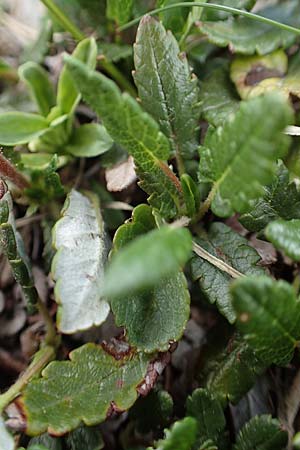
(268,316)
(227,245)
(136,131)
(147,260)
(208,411)
(174,19)
(241,157)
(191,194)
(78,266)
(82,390)
(87,438)
(212,15)
(119,10)
(168,90)
(219,101)
(89,140)
(114,52)
(19,128)
(262,433)
(181,436)
(55,137)
(6,440)
(68,96)
(40,86)
(242,36)
(285,236)
(49,442)
(281,200)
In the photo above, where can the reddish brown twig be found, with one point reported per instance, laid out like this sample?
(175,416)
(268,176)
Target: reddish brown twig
(8,171)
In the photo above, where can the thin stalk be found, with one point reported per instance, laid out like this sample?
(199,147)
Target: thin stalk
(206,204)
(63,20)
(42,358)
(114,72)
(229,9)
(216,261)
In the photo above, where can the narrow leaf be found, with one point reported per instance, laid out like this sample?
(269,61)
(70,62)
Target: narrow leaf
(136,131)
(285,236)
(241,157)
(19,128)
(168,90)
(268,316)
(78,266)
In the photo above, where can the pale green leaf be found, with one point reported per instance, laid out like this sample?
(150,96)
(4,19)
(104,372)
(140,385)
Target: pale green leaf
(78,266)
(262,433)
(232,248)
(82,389)
(6,440)
(119,10)
(181,436)
(19,128)
(89,140)
(285,236)
(268,316)
(243,36)
(168,90)
(55,137)
(147,260)
(281,200)
(136,131)
(240,158)
(40,86)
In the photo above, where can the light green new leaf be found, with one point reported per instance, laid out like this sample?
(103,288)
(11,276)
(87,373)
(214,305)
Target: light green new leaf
(281,200)
(241,157)
(229,246)
(285,236)
(136,131)
(181,436)
(6,440)
(147,260)
(78,266)
(40,86)
(219,101)
(19,128)
(268,316)
(82,390)
(89,140)
(55,137)
(262,433)
(68,96)
(168,90)
(208,411)
(119,10)
(243,36)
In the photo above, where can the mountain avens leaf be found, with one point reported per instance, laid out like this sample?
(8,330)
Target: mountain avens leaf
(262,433)
(147,260)
(241,157)
(40,86)
(268,316)
(19,128)
(168,90)
(78,266)
(281,200)
(181,436)
(227,245)
(136,131)
(243,36)
(82,390)
(89,140)
(208,412)
(285,236)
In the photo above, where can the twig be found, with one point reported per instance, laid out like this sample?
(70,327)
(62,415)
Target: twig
(24,221)
(118,205)
(216,261)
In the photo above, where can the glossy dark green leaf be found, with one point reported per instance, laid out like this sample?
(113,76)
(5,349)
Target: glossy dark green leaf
(240,158)
(181,436)
(136,131)
(227,245)
(147,260)
(281,200)
(285,236)
(82,390)
(40,86)
(268,316)
(19,128)
(262,433)
(168,90)
(243,36)
(89,140)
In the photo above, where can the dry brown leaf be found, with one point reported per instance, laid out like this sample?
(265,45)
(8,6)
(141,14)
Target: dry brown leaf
(121,176)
